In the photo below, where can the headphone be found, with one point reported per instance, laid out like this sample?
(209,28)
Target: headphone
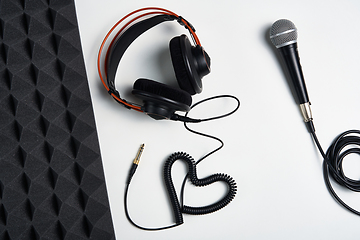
(160,101)
(191,63)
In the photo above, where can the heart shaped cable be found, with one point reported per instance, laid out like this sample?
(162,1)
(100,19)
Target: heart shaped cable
(219,177)
(192,175)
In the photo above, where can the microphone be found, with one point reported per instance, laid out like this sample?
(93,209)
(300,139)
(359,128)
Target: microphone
(283,34)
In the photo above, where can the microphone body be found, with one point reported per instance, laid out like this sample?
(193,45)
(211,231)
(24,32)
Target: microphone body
(291,58)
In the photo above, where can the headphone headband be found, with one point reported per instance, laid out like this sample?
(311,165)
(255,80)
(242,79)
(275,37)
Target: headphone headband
(118,49)
(126,37)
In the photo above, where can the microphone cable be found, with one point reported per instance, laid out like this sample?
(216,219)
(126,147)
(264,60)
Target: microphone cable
(179,209)
(346,143)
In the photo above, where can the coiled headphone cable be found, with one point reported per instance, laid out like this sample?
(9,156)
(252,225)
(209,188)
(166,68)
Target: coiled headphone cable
(177,206)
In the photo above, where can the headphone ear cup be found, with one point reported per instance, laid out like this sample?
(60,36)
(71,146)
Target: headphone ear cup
(179,66)
(160,100)
(190,64)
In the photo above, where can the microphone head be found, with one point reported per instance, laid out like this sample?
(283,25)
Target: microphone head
(282,33)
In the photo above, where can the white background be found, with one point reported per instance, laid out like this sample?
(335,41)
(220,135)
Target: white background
(268,151)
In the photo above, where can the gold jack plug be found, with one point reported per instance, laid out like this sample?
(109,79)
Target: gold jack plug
(135,163)
(138,155)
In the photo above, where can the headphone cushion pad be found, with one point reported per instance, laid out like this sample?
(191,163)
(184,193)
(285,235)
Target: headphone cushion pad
(163,90)
(180,68)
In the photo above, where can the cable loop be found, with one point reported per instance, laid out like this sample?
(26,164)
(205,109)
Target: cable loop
(336,155)
(333,160)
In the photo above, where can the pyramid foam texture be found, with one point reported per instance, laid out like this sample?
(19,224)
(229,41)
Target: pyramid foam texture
(52,183)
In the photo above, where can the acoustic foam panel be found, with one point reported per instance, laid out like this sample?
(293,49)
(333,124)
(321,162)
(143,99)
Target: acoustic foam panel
(52,183)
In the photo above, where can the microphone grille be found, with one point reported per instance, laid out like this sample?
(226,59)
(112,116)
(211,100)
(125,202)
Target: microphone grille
(283,32)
